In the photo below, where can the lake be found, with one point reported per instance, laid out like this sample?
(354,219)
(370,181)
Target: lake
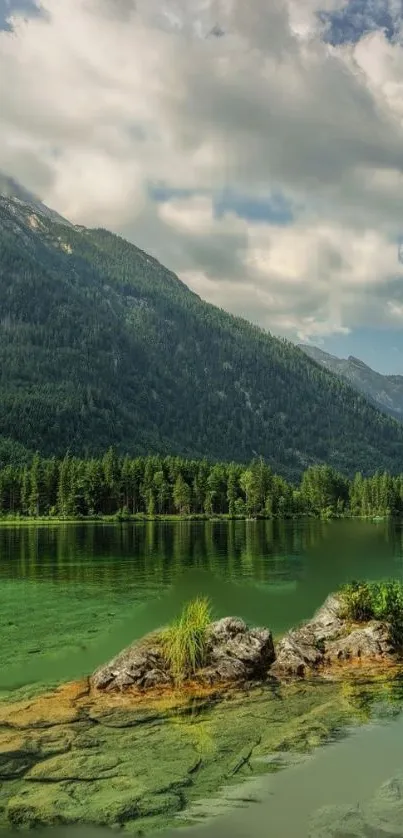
(72,596)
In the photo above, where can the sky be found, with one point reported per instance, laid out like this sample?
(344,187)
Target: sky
(255,148)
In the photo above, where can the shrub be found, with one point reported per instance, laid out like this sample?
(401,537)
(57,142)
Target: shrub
(358,601)
(365,601)
(185,642)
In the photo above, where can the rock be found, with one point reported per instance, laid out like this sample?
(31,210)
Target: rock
(384,813)
(234,653)
(370,641)
(328,620)
(338,822)
(86,766)
(226,628)
(238,654)
(303,648)
(141,762)
(141,665)
(297,651)
(15,764)
(381,817)
(327,639)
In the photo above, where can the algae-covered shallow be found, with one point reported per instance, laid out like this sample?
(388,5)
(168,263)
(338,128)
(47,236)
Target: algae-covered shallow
(72,597)
(173,763)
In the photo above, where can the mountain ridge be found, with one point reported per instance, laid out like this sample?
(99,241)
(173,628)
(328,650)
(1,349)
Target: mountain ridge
(384,391)
(102,345)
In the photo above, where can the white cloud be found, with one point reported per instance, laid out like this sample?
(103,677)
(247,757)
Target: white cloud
(110,95)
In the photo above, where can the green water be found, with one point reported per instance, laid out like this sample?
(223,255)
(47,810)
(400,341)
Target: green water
(73,596)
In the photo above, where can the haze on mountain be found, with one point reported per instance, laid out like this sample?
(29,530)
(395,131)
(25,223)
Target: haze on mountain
(384,391)
(101,345)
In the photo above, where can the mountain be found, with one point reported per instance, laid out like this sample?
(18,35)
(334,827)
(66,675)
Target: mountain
(20,199)
(384,391)
(100,344)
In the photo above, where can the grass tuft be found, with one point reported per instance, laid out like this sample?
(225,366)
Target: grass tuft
(184,643)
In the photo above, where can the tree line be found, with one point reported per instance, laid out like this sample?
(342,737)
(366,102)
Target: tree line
(122,487)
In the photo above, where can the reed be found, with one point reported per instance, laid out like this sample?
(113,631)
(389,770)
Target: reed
(185,641)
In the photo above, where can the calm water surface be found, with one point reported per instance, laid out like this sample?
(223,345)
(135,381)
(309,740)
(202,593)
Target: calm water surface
(73,596)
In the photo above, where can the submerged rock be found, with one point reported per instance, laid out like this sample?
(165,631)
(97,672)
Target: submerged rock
(341,821)
(381,817)
(235,653)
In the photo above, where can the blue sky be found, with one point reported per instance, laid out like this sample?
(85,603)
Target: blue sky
(7,7)
(358,17)
(271,208)
(264,167)
(381,349)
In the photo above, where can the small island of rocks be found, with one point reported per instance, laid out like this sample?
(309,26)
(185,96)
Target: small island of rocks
(360,624)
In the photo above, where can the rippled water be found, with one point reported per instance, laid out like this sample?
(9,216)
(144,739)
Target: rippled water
(72,596)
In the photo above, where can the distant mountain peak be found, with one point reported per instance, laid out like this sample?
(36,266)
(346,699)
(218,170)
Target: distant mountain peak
(10,188)
(384,391)
(12,191)
(358,363)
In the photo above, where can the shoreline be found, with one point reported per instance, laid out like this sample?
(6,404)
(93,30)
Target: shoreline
(140,518)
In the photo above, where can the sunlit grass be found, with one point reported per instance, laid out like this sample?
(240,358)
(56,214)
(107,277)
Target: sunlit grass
(184,643)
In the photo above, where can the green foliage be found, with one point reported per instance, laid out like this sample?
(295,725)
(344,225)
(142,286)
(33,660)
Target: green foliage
(185,642)
(101,345)
(364,601)
(123,487)
(357,600)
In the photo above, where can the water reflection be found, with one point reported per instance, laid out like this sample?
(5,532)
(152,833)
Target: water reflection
(64,552)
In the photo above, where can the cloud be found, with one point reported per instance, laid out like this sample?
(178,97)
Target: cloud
(112,9)
(265,166)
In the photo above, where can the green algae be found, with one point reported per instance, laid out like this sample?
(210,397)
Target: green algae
(143,775)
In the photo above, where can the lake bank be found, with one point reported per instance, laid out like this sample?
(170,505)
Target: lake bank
(21,520)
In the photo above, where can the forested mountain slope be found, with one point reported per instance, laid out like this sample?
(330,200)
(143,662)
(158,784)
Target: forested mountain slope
(384,391)
(101,345)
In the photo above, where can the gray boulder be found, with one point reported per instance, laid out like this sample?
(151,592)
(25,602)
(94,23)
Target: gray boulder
(234,654)
(141,665)
(303,648)
(327,638)
(370,641)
